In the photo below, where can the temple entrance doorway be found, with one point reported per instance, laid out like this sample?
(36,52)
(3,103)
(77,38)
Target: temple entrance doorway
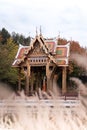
(38,78)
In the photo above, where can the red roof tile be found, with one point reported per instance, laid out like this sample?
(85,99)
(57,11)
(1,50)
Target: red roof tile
(22,52)
(50,45)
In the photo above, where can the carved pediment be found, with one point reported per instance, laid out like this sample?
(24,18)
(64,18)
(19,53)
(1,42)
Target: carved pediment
(37,51)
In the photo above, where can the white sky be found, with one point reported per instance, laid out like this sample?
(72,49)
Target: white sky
(69,17)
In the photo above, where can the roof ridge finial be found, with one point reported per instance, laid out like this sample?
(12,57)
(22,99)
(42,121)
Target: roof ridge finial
(36,32)
(71,39)
(59,35)
(40,30)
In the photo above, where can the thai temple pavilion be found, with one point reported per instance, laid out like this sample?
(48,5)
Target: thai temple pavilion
(41,63)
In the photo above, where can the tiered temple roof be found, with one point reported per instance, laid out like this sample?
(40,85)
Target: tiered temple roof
(59,54)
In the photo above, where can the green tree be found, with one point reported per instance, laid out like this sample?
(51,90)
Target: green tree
(4,35)
(19,38)
(7,54)
(27,41)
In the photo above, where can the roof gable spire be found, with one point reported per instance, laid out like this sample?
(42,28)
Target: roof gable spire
(40,31)
(36,32)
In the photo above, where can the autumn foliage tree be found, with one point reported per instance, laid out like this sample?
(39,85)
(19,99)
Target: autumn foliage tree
(76,48)
(73,69)
(62,41)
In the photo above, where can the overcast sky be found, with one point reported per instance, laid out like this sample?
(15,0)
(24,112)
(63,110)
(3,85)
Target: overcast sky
(67,17)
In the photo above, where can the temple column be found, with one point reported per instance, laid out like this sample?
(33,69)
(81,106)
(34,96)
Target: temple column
(32,83)
(27,79)
(48,76)
(48,83)
(27,86)
(44,84)
(64,88)
(19,79)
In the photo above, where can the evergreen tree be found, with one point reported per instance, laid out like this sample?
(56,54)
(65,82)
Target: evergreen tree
(7,54)
(4,35)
